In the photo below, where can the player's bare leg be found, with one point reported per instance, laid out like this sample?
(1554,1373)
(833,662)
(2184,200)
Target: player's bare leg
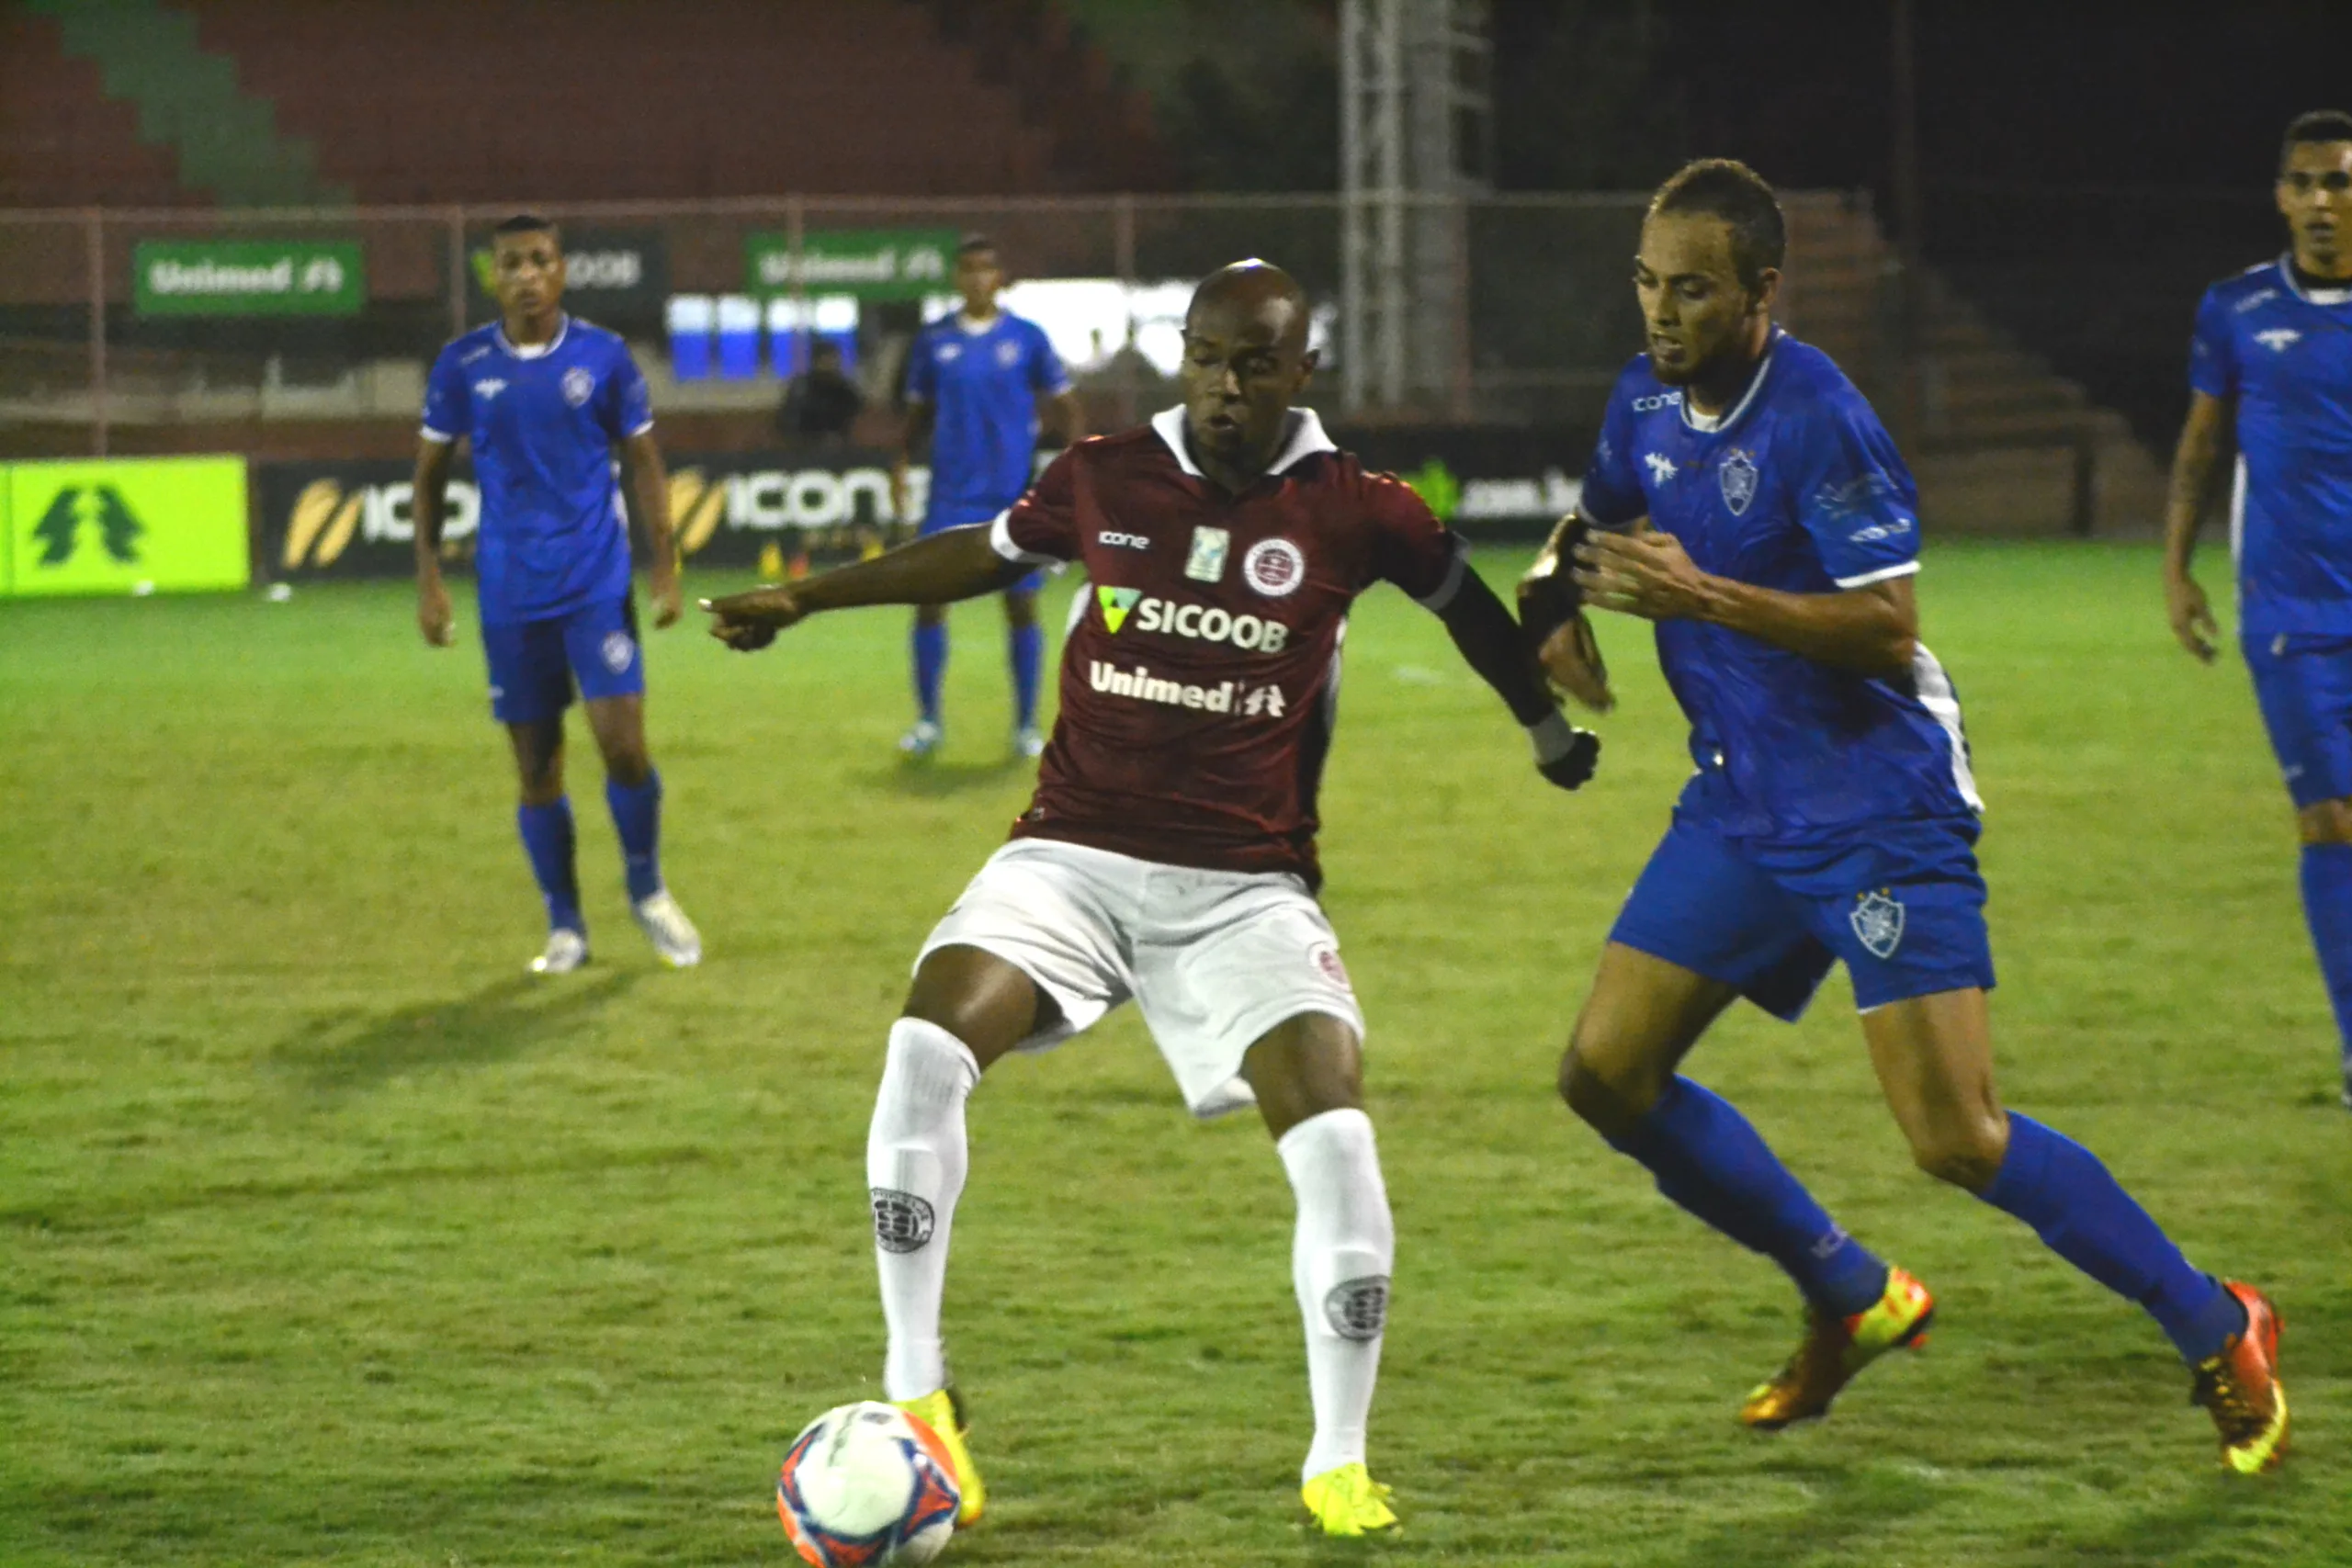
(931,674)
(966,1009)
(1307,1073)
(1934,1057)
(544,817)
(1025,647)
(1642,1018)
(2325,829)
(633,794)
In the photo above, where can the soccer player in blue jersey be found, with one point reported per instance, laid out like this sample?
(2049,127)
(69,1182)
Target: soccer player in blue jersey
(2271,364)
(545,399)
(1743,497)
(976,382)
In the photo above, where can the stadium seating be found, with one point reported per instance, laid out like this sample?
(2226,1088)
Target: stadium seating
(62,142)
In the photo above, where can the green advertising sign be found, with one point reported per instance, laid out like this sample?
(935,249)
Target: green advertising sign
(249,277)
(132,527)
(872,264)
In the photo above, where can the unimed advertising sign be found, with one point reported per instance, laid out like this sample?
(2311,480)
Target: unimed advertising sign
(872,264)
(130,526)
(249,277)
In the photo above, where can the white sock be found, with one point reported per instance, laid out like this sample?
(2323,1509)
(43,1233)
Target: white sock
(914,1165)
(1340,1259)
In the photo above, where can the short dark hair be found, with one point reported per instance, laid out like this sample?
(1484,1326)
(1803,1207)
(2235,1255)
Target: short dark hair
(525,223)
(971,243)
(1729,190)
(2319,125)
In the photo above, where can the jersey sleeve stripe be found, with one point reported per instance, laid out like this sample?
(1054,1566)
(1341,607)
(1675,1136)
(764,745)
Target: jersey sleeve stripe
(1001,541)
(1456,569)
(1884,574)
(442,436)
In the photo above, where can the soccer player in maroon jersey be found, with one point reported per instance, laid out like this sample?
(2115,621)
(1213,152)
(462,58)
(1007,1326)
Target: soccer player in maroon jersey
(1169,854)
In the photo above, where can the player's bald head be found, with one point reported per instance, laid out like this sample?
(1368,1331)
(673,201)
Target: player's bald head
(1251,298)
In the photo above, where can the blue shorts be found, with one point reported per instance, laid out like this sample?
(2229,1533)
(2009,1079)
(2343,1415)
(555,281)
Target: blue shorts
(534,663)
(1903,912)
(2303,685)
(944,518)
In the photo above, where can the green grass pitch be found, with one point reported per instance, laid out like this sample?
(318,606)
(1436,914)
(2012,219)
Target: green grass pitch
(327,1237)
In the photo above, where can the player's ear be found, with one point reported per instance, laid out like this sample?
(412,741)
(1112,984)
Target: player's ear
(1768,289)
(1306,365)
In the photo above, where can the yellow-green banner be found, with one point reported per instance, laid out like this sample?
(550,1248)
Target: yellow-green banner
(135,525)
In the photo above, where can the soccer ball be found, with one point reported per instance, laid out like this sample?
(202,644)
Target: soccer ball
(867,1483)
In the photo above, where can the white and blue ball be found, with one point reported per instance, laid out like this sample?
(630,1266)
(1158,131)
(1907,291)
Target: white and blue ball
(867,1483)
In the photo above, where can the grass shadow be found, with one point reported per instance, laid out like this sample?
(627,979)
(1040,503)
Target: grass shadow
(930,778)
(344,1052)
(1848,1506)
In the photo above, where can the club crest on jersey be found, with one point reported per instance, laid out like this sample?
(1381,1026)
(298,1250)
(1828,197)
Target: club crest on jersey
(1877,920)
(1007,354)
(578,383)
(1737,472)
(1116,603)
(1207,561)
(1274,567)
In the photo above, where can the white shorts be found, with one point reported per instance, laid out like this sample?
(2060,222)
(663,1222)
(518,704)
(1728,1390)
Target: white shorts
(1214,959)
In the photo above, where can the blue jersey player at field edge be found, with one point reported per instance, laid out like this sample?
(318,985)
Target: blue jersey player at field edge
(1745,498)
(975,381)
(2271,363)
(544,399)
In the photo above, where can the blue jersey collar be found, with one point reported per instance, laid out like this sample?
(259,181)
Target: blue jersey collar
(1747,399)
(563,330)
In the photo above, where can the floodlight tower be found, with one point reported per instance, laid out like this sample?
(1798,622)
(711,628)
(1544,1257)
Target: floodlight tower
(1416,119)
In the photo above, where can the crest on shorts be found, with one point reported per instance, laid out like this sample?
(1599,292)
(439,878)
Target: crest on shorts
(1326,959)
(1207,561)
(1877,920)
(1737,472)
(1274,567)
(1358,1309)
(1116,603)
(618,651)
(902,1222)
(577,385)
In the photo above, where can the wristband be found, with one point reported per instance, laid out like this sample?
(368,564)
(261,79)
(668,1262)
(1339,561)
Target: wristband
(1553,736)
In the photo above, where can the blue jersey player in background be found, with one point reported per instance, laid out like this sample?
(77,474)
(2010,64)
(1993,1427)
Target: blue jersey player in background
(2271,364)
(1745,498)
(546,400)
(976,384)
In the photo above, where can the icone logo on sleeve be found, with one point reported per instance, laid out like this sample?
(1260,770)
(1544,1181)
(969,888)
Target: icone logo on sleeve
(1196,622)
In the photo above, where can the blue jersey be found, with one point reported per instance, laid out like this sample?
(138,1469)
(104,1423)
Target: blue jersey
(543,424)
(2284,355)
(983,388)
(1797,488)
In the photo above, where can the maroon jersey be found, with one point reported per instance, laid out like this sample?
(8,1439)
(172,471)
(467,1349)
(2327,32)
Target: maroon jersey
(1201,675)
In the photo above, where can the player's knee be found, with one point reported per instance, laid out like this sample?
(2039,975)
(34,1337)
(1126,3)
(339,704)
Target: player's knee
(1610,1104)
(2326,822)
(629,765)
(1965,1151)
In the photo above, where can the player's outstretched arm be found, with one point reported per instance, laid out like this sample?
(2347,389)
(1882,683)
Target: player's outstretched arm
(2193,461)
(1871,630)
(955,563)
(429,488)
(649,492)
(1491,644)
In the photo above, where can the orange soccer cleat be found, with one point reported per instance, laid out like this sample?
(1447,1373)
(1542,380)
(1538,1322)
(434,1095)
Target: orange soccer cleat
(2239,1388)
(1835,1349)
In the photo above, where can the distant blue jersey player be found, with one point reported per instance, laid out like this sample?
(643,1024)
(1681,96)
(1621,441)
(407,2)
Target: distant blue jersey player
(2271,363)
(1743,497)
(976,384)
(546,401)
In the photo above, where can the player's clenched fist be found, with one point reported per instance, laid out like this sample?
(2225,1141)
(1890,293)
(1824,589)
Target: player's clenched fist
(748,622)
(1564,755)
(433,614)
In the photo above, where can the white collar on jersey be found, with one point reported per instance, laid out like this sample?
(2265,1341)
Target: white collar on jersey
(1306,438)
(535,350)
(979,329)
(2309,295)
(1716,425)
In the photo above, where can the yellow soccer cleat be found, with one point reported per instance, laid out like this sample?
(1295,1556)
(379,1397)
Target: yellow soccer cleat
(1835,1349)
(2239,1388)
(1346,1501)
(943,1412)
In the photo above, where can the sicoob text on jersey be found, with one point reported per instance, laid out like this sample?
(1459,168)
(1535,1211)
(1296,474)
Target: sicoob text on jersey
(1273,568)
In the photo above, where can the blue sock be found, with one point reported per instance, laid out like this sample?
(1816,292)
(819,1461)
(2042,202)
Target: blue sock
(637,817)
(2328,906)
(1028,664)
(546,838)
(931,668)
(2058,1187)
(1708,1160)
